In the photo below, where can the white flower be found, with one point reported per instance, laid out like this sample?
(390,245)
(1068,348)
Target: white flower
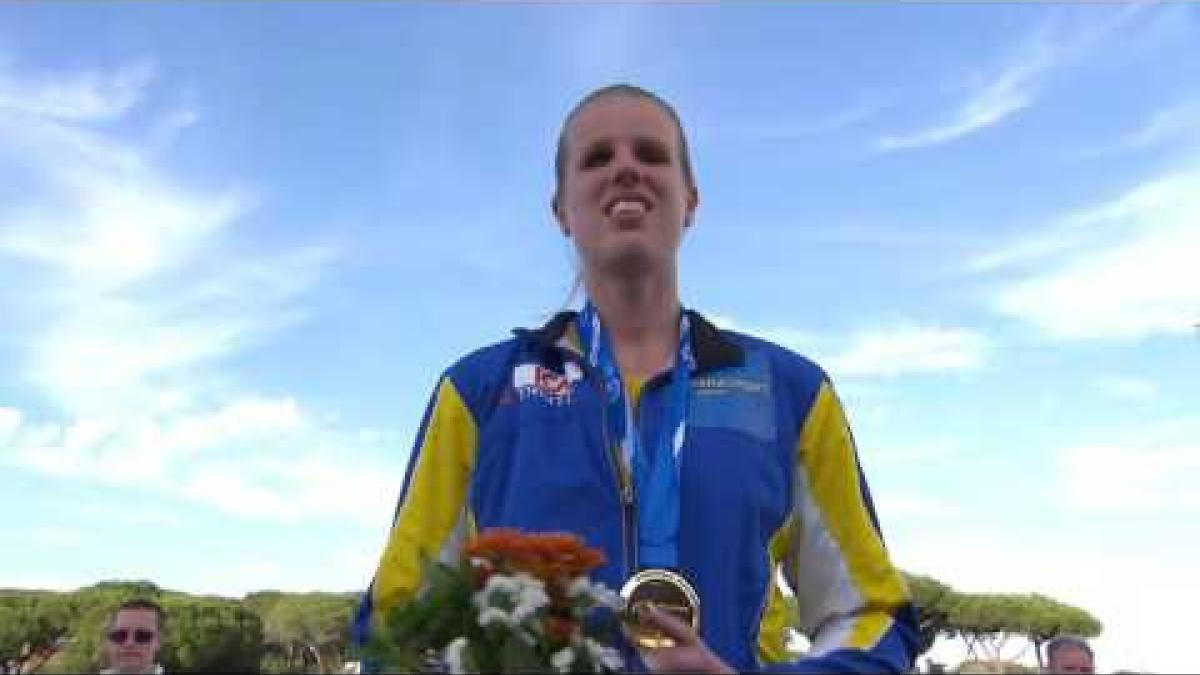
(578,587)
(605,597)
(563,659)
(596,593)
(497,585)
(492,615)
(453,655)
(603,656)
(532,598)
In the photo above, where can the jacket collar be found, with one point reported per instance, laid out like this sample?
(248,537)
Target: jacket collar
(712,349)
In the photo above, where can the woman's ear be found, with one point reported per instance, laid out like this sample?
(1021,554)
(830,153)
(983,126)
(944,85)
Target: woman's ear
(556,209)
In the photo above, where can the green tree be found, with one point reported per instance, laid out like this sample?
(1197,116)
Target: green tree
(306,630)
(987,622)
(932,599)
(32,622)
(199,635)
(211,635)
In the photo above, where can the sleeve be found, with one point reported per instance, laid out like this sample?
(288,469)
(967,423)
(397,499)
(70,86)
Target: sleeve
(853,604)
(432,518)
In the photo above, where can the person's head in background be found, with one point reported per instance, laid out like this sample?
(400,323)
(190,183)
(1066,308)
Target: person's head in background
(1069,654)
(624,186)
(133,637)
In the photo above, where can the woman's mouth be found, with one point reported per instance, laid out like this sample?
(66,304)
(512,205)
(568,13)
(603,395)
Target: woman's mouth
(627,207)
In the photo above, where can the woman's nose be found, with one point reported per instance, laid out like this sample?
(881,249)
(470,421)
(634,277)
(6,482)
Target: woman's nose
(627,175)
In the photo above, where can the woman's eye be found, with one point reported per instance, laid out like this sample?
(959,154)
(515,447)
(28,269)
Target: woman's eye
(596,157)
(653,153)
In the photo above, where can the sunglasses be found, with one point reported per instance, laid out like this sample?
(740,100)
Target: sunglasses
(141,636)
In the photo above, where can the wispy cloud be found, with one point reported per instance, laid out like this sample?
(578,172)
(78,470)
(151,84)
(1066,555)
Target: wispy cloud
(58,537)
(1124,269)
(257,458)
(10,422)
(880,352)
(790,129)
(995,96)
(89,95)
(170,126)
(907,349)
(1132,480)
(1172,128)
(1128,389)
(1010,92)
(933,451)
(128,297)
(112,247)
(898,505)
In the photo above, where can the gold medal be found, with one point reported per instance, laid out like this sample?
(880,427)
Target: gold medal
(665,590)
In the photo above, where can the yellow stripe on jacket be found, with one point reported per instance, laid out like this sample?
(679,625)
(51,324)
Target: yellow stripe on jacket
(852,605)
(776,617)
(433,506)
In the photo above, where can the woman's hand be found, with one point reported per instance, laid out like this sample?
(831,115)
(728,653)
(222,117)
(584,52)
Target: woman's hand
(689,655)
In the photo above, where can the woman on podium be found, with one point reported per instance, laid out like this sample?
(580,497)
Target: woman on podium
(699,460)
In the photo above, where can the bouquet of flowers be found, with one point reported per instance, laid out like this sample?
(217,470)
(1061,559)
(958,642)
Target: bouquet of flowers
(514,603)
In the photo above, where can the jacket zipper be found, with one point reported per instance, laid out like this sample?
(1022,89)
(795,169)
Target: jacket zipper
(624,481)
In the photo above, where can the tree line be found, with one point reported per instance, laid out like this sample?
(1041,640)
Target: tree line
(988,622)
(267,631)
(276,632)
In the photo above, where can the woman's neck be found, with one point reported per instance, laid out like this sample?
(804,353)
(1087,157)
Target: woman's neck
(641,316)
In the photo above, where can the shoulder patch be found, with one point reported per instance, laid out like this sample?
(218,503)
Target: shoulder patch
(532,381)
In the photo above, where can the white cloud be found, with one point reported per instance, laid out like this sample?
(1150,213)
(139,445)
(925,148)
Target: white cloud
(932,451)
(99,514)
(1133,591)
(58,537)
(1149,479)
(1127,389)
(878,352)
(132,289)
(1011,92)
(112,230)
(42,582)
(90,95)
(789,128)
(258,458)
(313,485)
(1167,128)
(899,505)
(171,125)
(1122,270)
(1013,87)
(134,296)
(10,422)
(908,349)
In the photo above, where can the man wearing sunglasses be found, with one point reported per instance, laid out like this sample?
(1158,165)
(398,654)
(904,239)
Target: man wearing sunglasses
(133,638)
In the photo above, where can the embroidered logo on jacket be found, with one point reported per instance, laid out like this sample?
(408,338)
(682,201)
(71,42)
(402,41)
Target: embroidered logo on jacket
(534,381)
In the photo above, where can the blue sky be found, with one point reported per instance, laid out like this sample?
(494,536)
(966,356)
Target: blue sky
(238,244)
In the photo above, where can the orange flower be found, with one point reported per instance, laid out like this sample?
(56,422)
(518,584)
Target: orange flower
(551,557)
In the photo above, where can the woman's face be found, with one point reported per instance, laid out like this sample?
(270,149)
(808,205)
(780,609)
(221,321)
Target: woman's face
(624,198)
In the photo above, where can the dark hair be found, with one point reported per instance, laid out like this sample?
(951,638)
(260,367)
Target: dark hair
(635,91)
(142,603)
(1063,641)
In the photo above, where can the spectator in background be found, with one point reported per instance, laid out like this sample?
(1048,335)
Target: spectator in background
(1069,654)
(133,638)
